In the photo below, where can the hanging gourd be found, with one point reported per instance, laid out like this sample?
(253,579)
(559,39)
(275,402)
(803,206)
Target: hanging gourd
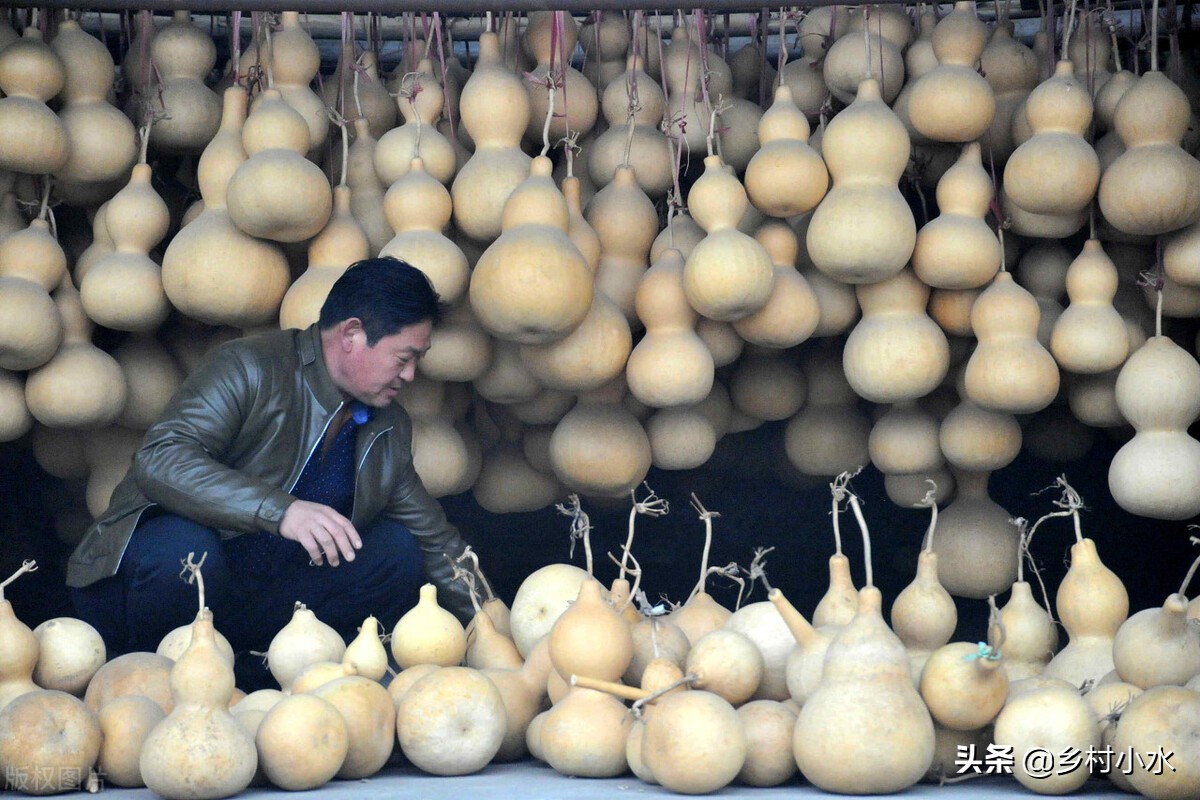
(728,275)
(366,190)
(295,62)
(1157,472)
(35,138)
(683,72)
(420,98)
(1154,186)
(460,349)
(957,249)
(895,352)
(211,270)
(277,193)
(1009,370)
(1090,336)
(1056,171)
(953,102)
(124,290)
(977,542)
(1011,69)
(81,386)
(792,312)
(600,447)
(1042,270)
(532,285)
(843,66)
(605,38)
(441,454)
(495,111)
(341,243)
(506,379)
(785,177)
(508,483)
(670,366)
(624,219)
(904,441)
(920,58)
(32,263)
(418,209)
(182,56)
(15,419)
(355,88)
(829,435)
(102,141)
(1091,53)
(549,40)
(863,231)
(152,376)
(632,106)
(588,357)
(976,439)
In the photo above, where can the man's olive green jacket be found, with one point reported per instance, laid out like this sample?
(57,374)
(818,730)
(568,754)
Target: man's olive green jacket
(232,443)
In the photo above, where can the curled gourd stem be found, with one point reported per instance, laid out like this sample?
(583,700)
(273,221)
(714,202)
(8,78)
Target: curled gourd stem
(758,567)
(551,89)
(468,554)
(930,501)
(28,565)
(144,138)
(340,121)
(192,574)
(652,506)
(581,527)
(457,573)
(635,571)
(1070,501)
(1191,573)
(707,516)
(637,706)
(841,491)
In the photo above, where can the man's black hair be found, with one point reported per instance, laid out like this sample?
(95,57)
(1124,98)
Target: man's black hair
(387,294)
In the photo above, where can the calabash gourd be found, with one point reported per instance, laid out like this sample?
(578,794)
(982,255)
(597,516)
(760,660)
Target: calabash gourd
(599,447)
(575,102)
(101,142)
(964,685)
(183,56)
(1166,717)
(1157,646)
(976,439)
(199,750)
(366,189)
(428,634)
(970,527)
(302,742)
(681,437)
(15,419)
(694,742)
(1090,335)
(829,435)
(340,243)
(864,55)
(590,638)
(863,231)
(451,722)
(370,717)
(895,352)
(143,674)
(124,725)
(786,176)
(1055,719)
(584,734)
(507,482)
(81,386)
(768,728)
(420,100)
(49,740)
(1092,603)
(626,224)
(1009,369)
(1056,171)
(36,138)
(633,136)
(1010,68)
(32,264)
(923,615)
(1157,473)
(460,350)
(953,102)
(590,356)
(767,387)
(303,641)
(1152,187)
(355,89)
(792,312)
(957,249)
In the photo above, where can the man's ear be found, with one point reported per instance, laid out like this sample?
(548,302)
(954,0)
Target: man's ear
(350,330)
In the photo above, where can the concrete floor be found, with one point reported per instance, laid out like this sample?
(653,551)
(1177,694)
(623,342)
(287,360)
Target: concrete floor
(535,781)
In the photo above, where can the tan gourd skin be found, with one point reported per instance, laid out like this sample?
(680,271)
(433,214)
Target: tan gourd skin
(362,90)
(539,601)
(599,447)
(1152,187)
(700,615)
(145,674)
(767,387)
(451,722)
(1157,646)
(953,102)
(35,138)
(924,615)
(50,734)
(101,140)
(895,352)
(184,55)
(508,482)
(829,434)
(301,743)
(532,285)
(761,624)
(590,638)
(18,655)
(792,312)
(1052,718)
(1031,637)
(70,652)
(655,638)
(958,249)
(428,634)
(1090,335)
(152,376)
(845,62)
(317,675)
(786,176)
(487,648)
(366,189)
(398,146)
(977,543)
(1156,392)
(370,716)
(584,734)
(1167,717)
(1092,603)
(963,687)
(1056,171)
(418,209)
(806,661)
(588,357)
(575,102)
(495,112)
(768,726)
(864,730)
(124,725)
(728,275)
(460,350)
(1009,369)
(694,742)
(340,243)
(1010,67)
(31,328)
(649,154)
(199,750)
(303,641)
(863,231)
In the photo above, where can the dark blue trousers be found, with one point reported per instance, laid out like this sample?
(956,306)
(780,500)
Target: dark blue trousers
(134,609)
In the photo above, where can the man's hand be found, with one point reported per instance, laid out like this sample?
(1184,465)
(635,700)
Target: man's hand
(322,531)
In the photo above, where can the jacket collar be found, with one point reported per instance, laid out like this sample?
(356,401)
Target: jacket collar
(316,373)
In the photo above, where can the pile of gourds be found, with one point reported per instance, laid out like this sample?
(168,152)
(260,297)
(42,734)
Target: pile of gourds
(753,694)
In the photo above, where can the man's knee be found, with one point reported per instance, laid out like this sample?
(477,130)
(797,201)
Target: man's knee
(163,544)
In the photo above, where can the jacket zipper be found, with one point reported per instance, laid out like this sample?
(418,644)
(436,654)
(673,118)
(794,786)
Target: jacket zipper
(321,438)
(361,461)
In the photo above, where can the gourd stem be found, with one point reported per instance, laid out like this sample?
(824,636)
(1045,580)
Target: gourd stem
(266,26)
(867,42)
(636,708)
(44,207)
(997,635)
(1078,525)
(1191,573)
(931,501)
(1022,547)
(1116,49)
(28,565)
(866,534)
(1068,23)
(341,123)
(192,574)
(707,517)
(358,68)
(782,61)
(550,90)
(837,526)
(1154,36)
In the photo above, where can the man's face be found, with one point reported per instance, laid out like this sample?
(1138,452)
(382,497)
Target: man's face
(374,375)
